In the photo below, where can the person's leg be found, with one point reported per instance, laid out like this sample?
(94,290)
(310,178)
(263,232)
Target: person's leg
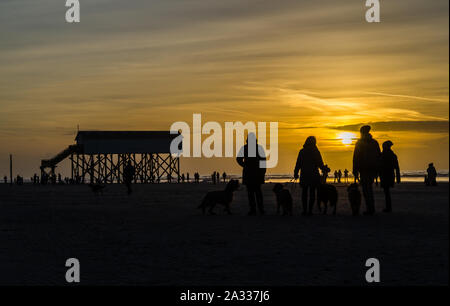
(387,196)
(312,198)
(366,184)
(259,199)
(251,199)
(305,199)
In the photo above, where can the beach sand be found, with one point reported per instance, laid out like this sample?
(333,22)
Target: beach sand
(156,236)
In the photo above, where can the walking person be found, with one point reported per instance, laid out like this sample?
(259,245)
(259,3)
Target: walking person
(365,166)
(309,161)
(251,158)
(389,172)
(224,177)
(431,175)
(346,175)
(339,175)
(128,176)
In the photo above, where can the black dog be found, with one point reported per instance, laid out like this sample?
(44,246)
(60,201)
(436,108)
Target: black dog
(224,197)
(97,188)
(326,193)
(284,199)
(354,197)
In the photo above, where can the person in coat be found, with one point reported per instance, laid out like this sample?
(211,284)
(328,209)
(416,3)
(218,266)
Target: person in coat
(365,165)
(309,161)
(252,159)
(389,172)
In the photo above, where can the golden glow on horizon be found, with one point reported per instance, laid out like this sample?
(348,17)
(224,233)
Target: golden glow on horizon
(347,137)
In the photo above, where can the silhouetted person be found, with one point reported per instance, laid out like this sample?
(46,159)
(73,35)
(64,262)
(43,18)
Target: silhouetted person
(309,161)
(224,177)
(128,176)
(251,158)
(431,175)
(213,177)
(197,177)
(389,171)
(182,178)
(335,176)
(218,177)
(365,166)
(169,178)
(187,177)
(5,179)
(339,175)
(346,175)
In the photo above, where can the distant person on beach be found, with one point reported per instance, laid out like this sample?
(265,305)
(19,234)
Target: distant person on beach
(389,172)
(335,175)
(5,179)
(346,175)
(128,176)
(251,158)
(187,177)
(309,161)
(196,177)
(182,178)
(213,177)
(365,166)
(224,177)
(339,175)
(431,175)
(218,177)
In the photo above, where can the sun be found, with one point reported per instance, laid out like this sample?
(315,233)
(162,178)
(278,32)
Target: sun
(347,137)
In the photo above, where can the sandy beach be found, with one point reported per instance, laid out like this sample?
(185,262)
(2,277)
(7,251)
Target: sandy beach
(156,236)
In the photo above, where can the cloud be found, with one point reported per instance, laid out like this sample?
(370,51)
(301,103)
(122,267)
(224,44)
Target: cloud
(422,126)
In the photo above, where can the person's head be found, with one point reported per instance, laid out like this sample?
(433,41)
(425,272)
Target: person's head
(251,138)
(364,130)
(387,145)
(430,165)
(310,141)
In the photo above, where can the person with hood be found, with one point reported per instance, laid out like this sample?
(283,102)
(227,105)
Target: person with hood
(252,159)
(389,172)
(309,161)
(365,166)
(431,175)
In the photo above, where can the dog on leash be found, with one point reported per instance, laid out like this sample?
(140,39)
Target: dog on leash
(284,199)
(354,197)
(97,188)
(223,197)
(326,193)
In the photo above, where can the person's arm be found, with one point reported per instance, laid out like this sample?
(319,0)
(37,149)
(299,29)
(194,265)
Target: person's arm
(297,164)
(240,157)
(356,157)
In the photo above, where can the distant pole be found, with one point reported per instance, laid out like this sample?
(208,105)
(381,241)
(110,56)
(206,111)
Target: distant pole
(10,169)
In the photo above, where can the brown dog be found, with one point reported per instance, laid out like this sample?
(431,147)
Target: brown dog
(223,197)
(284,199)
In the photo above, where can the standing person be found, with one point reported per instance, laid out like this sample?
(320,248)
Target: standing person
(224,177)
(213,177)
(431,175)
(365,165)
(339,175)
(128,176)
(309,161)
(389,170)
(251,158)
(5,179)
(187,177)
(182,178)
(346,175)
(218,177)
(335,176)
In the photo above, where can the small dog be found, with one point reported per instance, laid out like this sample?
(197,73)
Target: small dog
(326,193)
(284,199)
(97,188)
(354,197)
(223,197)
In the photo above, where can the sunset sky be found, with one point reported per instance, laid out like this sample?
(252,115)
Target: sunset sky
(316,67)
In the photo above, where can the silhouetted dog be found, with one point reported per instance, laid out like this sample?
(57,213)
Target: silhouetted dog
(284,199)
(354,197)
(224,197)
(326,193)
(97,188)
